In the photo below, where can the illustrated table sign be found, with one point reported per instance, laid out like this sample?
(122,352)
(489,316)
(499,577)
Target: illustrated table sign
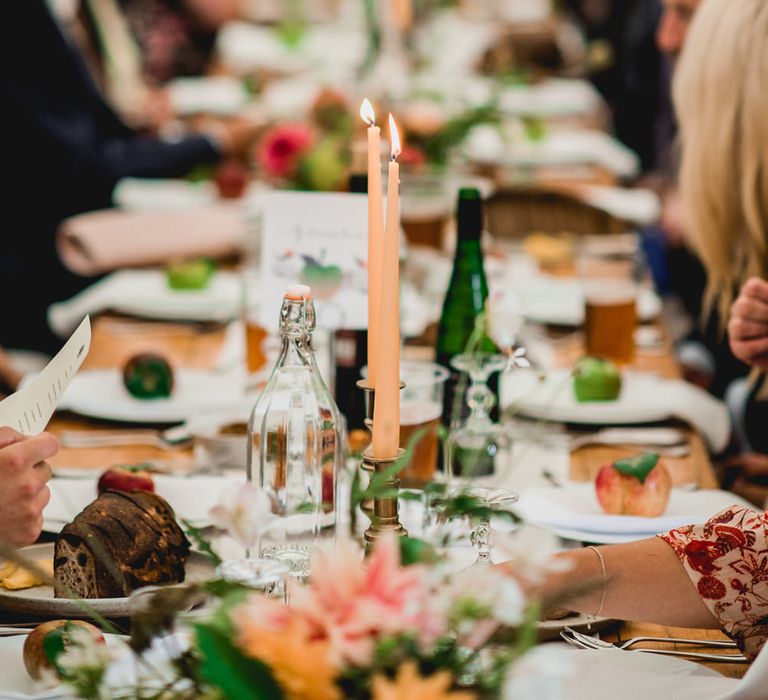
(31,407)
(319,239)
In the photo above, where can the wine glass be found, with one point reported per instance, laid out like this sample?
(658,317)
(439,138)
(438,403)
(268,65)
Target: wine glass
(476,447)
(482,533)
(473,445)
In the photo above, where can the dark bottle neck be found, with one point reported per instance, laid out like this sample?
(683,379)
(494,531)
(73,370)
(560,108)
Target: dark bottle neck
(469,220)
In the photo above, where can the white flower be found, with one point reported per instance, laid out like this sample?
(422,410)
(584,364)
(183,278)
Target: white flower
(151,671)
(504,313)
(530,552)
(244,512)
(83,651)
(489,589)
(541,674)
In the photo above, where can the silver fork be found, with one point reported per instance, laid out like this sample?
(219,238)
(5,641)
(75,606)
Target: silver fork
(584,641)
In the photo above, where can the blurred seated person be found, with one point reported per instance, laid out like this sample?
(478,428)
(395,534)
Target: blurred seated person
(134,47)
(66,149)
(747,473)
(708,575)
(24,493)
(177,38)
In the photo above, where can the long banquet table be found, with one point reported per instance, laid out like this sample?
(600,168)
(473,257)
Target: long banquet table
(116,338)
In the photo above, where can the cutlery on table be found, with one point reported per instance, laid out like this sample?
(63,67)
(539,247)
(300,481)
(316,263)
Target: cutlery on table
(584,641)
(171,439)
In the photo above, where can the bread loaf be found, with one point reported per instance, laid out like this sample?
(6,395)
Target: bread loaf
(120,542)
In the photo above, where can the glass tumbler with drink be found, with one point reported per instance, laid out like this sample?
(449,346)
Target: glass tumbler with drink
(421,407)
(610,267)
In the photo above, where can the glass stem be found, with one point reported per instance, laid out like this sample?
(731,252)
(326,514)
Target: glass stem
(481,540)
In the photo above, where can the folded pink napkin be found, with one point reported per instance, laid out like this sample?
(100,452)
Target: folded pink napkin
(104,240)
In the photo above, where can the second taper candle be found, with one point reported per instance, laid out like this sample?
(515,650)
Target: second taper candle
(386,412)
(375,235)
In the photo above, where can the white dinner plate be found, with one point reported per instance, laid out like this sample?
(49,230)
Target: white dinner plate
(151,297)
(146,294)
(574,506)
(641,399)
(190,497)
(100,393)
(40,602)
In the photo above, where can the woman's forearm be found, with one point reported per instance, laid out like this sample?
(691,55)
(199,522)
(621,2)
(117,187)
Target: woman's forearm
(644,581)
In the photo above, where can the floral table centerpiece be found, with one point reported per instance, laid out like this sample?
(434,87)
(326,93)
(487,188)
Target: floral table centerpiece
(402,623)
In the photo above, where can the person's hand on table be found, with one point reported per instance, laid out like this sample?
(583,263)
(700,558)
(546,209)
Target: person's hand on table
(24,492)
(748,324)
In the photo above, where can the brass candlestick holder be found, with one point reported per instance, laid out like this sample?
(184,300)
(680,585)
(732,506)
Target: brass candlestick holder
(382,512)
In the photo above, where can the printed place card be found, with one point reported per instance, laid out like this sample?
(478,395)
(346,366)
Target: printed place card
(319,239)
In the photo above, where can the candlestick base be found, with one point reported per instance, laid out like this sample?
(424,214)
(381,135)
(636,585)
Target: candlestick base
(385,518)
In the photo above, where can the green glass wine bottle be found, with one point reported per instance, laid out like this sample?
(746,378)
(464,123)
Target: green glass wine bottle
(464,300)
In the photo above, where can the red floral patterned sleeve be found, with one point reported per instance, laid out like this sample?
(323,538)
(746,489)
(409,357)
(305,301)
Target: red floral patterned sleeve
(727,560)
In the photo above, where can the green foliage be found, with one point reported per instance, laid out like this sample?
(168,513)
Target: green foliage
(200,541)
(439,146)
(416,551)
(226,668)
(55,644)
(323,168)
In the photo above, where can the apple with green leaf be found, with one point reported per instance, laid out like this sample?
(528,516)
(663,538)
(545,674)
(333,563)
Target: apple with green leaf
(637,485)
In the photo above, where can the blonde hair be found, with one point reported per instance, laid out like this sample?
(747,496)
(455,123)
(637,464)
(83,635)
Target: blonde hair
(721,98)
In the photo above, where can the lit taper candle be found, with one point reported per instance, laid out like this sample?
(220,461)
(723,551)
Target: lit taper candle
(386,411)
(375,235)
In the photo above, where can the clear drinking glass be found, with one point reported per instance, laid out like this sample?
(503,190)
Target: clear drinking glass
(610,267)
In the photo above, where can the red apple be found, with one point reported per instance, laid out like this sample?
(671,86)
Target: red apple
(34,653)
(636,486)
(125,479)
(231,179)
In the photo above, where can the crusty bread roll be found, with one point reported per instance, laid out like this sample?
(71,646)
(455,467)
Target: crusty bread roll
(120,542)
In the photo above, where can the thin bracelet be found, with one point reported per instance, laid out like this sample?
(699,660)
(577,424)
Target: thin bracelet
(591,618)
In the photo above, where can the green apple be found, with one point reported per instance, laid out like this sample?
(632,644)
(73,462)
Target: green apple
(190,274)
(595,379)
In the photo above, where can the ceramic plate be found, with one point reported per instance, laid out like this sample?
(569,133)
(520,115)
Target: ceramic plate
(151,297)
(552,398)
(575,507)
(101,394)
(39,601)
(15,683)
(190,497)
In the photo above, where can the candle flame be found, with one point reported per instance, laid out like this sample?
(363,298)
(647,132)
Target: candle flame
(394,137)
(366,112)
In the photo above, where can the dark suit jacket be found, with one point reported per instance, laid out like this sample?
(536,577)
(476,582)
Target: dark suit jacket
(64,151)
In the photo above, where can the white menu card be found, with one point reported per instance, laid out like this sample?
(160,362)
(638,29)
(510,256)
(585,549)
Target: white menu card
(319,239)
(31,407)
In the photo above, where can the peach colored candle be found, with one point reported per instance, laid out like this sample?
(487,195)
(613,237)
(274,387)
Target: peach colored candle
(402,14)
(386,411)
(375,234)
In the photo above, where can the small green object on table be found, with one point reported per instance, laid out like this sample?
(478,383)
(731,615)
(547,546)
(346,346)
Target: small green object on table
(190,274)
(595,379)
